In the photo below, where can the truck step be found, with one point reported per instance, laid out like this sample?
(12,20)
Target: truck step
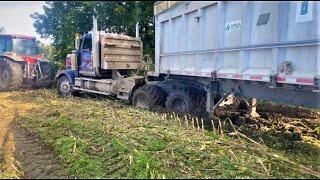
(108,81)
(92,91)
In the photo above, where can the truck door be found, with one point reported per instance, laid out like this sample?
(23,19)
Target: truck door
(86,55)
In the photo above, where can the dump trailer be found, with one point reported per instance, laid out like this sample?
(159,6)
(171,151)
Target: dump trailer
(21,64)
(102,63)
(209,52)
(264,50)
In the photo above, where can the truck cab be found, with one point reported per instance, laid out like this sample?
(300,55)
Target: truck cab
(84,55)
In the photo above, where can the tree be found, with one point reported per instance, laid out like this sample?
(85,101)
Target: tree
(2,30)
(63,19)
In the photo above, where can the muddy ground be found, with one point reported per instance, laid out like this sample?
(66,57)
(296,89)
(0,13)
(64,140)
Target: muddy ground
(24,155)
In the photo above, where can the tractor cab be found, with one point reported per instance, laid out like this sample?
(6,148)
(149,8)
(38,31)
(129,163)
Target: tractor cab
(20,45)
(22,64)
(24,47)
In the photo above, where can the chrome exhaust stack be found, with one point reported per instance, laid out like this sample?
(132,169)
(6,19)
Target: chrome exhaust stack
(137,30)
(95,45)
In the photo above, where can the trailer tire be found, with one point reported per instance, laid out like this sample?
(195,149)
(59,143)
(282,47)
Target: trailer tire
(183,101)
(64,87)
(5,76)
(149,97)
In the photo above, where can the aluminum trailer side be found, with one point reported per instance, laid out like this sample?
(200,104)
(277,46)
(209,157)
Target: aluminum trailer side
(265,50)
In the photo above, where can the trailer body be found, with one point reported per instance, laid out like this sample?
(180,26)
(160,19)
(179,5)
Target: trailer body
(268,50)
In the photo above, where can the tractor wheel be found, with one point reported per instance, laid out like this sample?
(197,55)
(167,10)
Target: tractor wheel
(5,76)
(17,74)
(65,87)
(148,97)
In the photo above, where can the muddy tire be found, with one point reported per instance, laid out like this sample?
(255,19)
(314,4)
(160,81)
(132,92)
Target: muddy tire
(182,101)
(64,87)
(149,97)
(5,76)
(17,74)
(11,74)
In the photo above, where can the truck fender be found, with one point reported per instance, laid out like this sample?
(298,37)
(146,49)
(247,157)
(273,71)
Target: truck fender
(71,74)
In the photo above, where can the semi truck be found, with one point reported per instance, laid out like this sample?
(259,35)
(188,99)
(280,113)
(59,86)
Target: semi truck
(21,64)
(207,52)
(102,63)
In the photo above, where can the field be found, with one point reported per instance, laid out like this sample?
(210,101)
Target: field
(44,136)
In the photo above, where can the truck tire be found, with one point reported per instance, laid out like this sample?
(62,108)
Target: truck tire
(182,101)
(5,76)
(148,97)
(64,87)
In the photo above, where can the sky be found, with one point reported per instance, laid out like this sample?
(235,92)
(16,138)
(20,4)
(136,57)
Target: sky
(15,17)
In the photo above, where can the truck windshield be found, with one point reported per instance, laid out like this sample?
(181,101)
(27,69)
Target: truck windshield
(25,47)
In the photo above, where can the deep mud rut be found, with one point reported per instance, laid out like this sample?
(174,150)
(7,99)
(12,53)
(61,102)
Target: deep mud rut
(33,158)
(28,157)
(22,154)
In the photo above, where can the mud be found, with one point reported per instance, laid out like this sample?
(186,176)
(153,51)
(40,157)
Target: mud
(22,154)
(35,160)
(290,122)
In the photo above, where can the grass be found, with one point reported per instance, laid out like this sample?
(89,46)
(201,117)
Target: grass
(103,138)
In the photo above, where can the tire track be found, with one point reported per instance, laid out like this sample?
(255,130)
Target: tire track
(34,159)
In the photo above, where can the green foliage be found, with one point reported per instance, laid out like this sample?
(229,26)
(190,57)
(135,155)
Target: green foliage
(62,19)
(144,167)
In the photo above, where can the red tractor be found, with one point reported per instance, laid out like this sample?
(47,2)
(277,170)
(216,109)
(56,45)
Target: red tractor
(21,64)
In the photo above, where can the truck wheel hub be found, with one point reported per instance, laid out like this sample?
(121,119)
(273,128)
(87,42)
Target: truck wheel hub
(65,86)
(142,102)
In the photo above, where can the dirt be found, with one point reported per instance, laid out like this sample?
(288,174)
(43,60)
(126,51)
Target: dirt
(292,123)
(36,161)
(23,154)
